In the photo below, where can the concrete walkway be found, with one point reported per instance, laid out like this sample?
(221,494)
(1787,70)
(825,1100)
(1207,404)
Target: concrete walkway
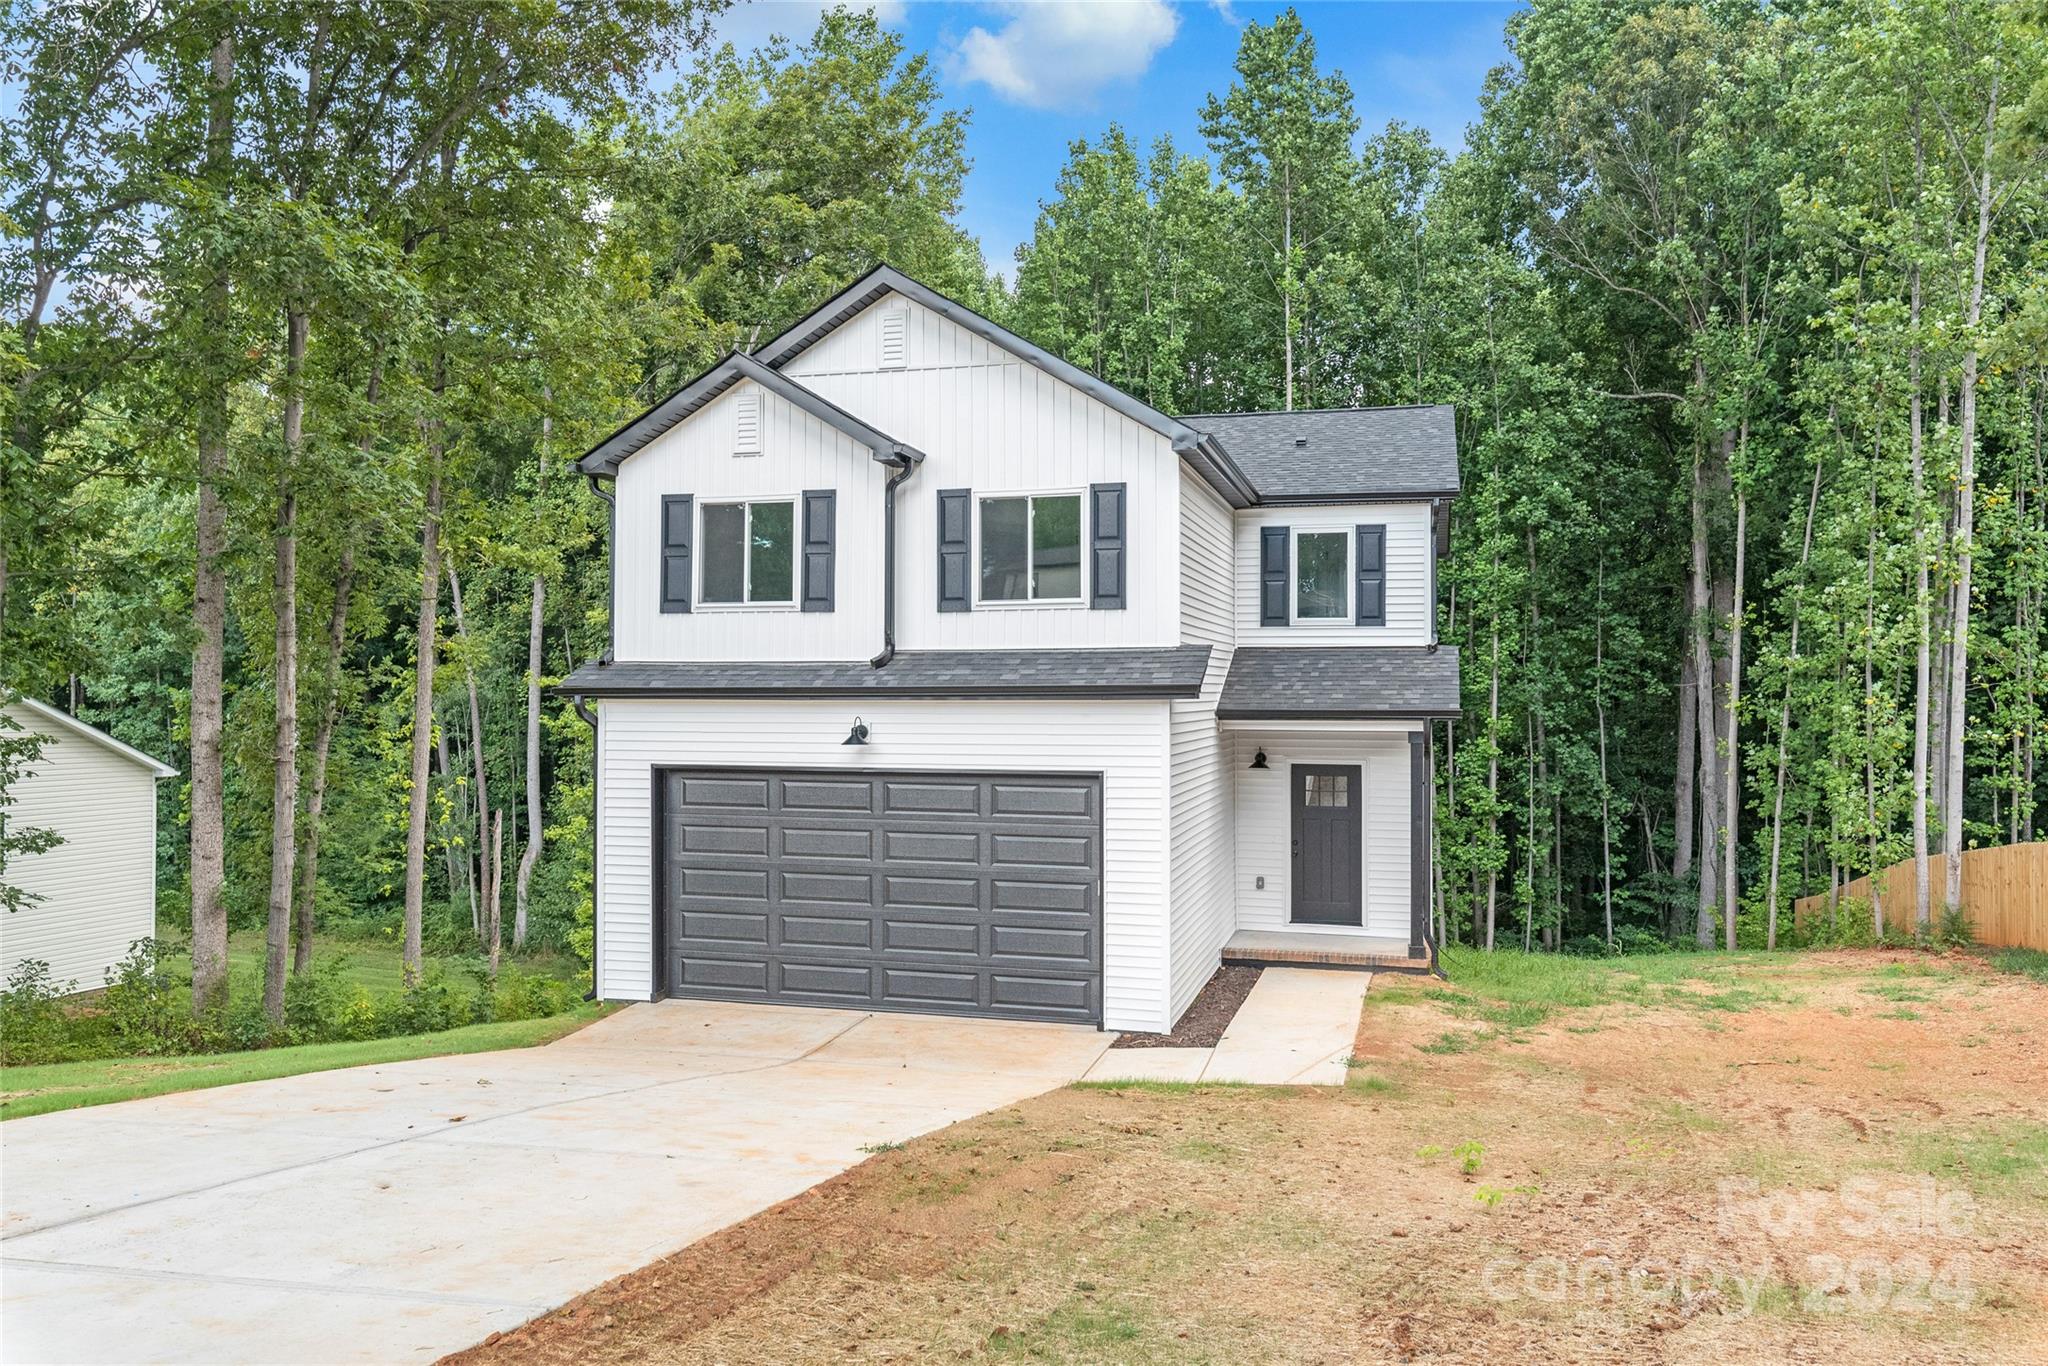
(1296,1028)
(394,1213)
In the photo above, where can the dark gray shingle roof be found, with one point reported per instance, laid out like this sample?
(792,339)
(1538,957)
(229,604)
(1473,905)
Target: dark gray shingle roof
(1348,452)
(1345,682)
(1175,671)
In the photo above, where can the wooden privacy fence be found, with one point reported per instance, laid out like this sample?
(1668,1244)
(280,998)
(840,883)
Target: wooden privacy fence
(2005,893)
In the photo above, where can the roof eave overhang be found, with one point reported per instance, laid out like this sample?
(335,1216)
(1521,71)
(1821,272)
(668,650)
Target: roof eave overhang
(1216,467)
(1376,496)
(1337,714)
(923,692)
(604,459)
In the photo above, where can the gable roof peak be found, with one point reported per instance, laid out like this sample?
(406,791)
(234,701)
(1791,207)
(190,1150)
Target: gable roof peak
(605,457)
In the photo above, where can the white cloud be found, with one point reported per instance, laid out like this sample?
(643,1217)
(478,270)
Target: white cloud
(1054,53)
(750,23)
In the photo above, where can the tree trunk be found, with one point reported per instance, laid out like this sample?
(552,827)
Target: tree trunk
(1966,494)
(330,711)
(316,779)
(534,826)
(422,713)
(284,788)
(1684,818)
(209,594)
(1493,774)
(1785,722)
(1287,283)
(1703,675)
(1731,801)
(1600,720)
(1922,627)
(497,881)
(487,886)
(1869,733)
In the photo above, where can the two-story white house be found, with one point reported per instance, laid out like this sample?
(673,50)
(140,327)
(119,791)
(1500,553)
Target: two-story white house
(946,677)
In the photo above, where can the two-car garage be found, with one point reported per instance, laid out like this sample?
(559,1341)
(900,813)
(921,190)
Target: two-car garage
(958,893)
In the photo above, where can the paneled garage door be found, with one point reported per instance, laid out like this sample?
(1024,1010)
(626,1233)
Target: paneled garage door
(955,893)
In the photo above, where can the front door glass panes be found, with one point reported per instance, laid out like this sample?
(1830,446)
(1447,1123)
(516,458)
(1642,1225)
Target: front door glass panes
(1326,789)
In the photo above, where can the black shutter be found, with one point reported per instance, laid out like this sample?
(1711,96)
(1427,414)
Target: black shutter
(1273,576)
(1372,576)
(675,552)
(955,534)
(1106,524)
(820,532)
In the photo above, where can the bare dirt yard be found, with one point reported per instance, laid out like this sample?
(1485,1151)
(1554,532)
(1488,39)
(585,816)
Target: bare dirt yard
(1836,1157)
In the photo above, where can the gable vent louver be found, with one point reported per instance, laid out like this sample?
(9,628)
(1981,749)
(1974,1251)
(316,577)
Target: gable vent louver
(746,423)
(895,323)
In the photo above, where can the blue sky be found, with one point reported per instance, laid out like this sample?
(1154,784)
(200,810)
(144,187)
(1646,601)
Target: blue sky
(1039,74)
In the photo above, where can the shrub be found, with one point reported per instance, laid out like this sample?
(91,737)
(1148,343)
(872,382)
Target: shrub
(33,1024)
(427,1007)
(314,1001)
(525,996)
(143,1007)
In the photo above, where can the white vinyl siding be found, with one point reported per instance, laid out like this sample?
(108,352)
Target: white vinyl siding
(1126,741)
(992,422)
(1203,807)
(1264,822)
(697,458)
(1409,548)
(98,888)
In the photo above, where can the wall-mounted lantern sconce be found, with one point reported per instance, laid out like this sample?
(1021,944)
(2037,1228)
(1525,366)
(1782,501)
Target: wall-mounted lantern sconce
(1259,760)
(858,735)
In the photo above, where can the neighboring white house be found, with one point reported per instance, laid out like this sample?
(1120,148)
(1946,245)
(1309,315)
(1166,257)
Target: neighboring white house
(946,677)
(97,889)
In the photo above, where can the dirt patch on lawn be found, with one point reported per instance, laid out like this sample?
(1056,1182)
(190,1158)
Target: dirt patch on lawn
(1203,1023)
(1825,1158)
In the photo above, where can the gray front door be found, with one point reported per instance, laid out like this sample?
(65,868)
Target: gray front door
(1328,837)
(954,893)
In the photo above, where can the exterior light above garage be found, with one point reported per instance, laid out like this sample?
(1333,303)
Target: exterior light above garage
(858,735)
(1259,760)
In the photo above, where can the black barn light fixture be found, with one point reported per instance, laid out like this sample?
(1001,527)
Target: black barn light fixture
(858,735)
(1259,760)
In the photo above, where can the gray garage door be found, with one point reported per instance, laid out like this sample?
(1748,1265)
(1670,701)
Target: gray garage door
(968,894)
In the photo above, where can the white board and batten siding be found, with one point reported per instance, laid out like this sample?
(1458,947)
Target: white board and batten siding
(97,889)
(1201,916)
(1409,548)
(1265,817)
(707,457)
(993,422)
(1125,741)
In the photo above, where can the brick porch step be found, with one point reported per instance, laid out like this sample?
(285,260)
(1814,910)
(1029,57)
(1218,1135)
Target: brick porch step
(1305,948)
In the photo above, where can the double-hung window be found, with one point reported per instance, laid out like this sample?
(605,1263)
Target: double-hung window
(748,553)
(1322,576)
(1031,548)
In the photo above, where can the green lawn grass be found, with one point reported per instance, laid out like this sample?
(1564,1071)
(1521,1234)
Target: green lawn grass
(374,964)
(28,1091)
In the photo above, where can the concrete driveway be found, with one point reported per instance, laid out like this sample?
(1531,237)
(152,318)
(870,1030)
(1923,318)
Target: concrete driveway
(397,1212)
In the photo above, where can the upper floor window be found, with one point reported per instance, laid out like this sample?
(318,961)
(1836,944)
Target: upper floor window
(1321,575)
(1031,548)
(748,553)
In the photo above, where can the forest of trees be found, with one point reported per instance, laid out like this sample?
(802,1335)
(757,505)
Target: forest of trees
(1744,309)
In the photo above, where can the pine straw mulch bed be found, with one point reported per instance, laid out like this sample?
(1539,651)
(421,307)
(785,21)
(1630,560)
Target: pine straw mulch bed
(1150,1223)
